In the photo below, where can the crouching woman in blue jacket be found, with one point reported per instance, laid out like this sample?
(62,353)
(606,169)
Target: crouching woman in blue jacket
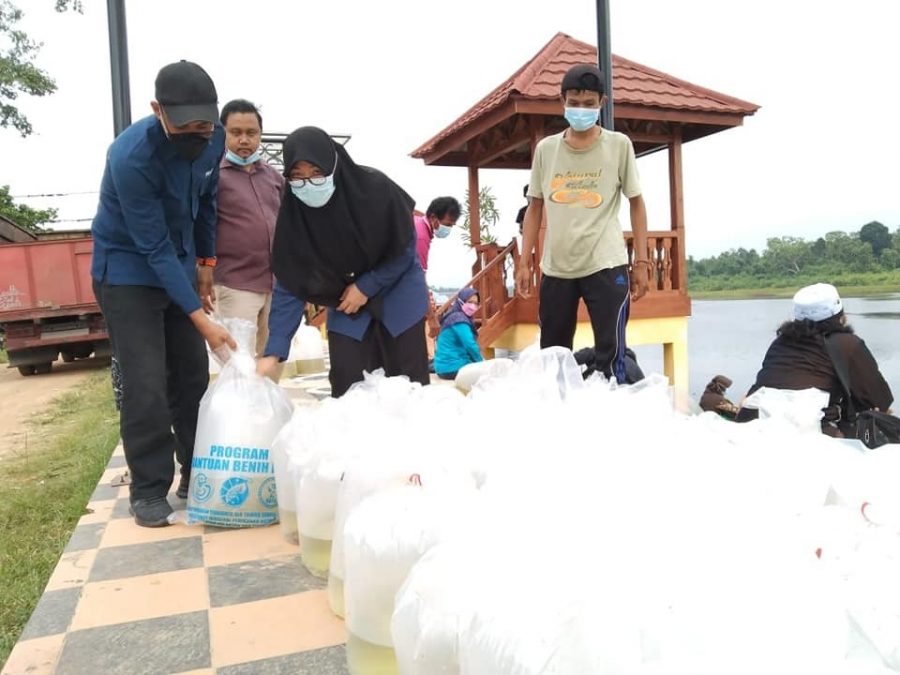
(344,239)
(456,344)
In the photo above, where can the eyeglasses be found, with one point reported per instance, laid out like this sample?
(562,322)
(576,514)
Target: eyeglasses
(318,181)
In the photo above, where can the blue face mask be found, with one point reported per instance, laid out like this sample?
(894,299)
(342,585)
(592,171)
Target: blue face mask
(313,196)
(582,119)
(240,161)
(443,231)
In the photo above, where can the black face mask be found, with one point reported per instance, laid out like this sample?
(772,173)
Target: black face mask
(189,146)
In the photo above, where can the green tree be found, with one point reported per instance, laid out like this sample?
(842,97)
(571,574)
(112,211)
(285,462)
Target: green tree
(877,235)
(22,215)
(848,253)
(488,216)
(819,249)
(890,258)
(786,255)
(18,72)
(789,261)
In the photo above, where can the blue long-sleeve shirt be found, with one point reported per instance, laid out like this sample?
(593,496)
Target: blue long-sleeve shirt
(456,347)
(400,283)
(157,212)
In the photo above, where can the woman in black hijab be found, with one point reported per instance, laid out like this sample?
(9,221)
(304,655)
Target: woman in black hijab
(344,239)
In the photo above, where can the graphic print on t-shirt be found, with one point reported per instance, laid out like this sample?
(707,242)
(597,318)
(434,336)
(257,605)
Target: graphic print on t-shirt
(577,189)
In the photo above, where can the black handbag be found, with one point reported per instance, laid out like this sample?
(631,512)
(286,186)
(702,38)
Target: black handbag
(876,428)
(872,427)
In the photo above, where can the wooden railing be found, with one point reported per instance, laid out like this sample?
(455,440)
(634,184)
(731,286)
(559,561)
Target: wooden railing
(664,254)
(493,280)
(493,277)
(315,315)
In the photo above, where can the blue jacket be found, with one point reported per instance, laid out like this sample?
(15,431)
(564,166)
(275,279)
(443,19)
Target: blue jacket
(456,347)
(400,283)
(157,213)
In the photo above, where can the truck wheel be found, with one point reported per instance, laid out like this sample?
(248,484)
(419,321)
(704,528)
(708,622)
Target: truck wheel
(67,357)
(43,368)
(26,370)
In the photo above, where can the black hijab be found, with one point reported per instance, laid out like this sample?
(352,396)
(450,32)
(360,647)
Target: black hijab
(318,252)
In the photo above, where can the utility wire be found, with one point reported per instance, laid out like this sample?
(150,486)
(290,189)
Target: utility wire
(57,194)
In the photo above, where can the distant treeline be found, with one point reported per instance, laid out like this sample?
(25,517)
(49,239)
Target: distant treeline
(869,256)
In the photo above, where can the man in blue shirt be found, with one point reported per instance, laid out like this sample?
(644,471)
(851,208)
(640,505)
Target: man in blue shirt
(154,247)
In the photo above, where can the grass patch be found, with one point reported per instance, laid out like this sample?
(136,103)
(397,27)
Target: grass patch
(846,291)
(3,357)
(45,490)
(744,294)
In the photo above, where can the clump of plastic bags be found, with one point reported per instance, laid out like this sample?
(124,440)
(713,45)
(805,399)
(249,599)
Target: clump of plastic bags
(405,413)
(307,353)
(383,538)
(436,600)
(289,443)
(323,446)
(316,499)
(801,409)
(316,459)
(233,472)
(601,531)
(364,477)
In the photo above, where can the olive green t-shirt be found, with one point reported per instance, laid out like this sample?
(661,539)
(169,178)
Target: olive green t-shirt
(582,190)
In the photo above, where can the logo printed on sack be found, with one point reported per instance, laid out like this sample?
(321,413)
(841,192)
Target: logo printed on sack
(201,490)
(268,495)
(235,491)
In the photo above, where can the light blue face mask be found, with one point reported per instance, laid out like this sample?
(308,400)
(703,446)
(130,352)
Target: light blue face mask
(313,196)
(582,119)
(240,161)
(443,231)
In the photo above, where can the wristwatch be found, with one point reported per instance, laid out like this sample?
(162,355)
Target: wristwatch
(206,262)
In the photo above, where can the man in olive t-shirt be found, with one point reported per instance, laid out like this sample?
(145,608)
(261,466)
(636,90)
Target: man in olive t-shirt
(578,177)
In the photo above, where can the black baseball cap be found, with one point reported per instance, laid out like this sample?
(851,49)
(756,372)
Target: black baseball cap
(583,77)
(187,93)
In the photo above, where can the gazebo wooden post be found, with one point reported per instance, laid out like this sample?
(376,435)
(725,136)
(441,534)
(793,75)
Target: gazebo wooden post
(675,352)
(676,203)
(537,126)
(475,224)
(474,207)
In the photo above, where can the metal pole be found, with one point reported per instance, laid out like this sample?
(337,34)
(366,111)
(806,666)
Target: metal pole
(604,54)
(118,62)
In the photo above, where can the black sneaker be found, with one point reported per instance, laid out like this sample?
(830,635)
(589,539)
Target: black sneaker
(183,486)
(152,512)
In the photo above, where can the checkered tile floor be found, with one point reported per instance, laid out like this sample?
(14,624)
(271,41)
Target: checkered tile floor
(180,599)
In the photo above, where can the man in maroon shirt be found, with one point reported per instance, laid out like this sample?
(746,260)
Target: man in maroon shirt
(249,199)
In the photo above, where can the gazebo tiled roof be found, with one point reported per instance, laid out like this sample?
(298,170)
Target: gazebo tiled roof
(634,85)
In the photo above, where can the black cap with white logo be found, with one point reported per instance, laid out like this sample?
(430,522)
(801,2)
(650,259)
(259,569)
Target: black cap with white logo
(187,93)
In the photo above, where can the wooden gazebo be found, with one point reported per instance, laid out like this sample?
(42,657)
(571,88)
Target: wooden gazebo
(657,111)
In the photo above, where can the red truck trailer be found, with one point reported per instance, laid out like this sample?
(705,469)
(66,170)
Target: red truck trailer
(47,306)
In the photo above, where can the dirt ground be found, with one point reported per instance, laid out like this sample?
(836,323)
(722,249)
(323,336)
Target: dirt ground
(21,397)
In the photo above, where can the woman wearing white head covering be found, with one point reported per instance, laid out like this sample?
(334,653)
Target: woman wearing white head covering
(799,359)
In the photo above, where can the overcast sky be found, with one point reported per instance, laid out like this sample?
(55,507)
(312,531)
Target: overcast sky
(820,155)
